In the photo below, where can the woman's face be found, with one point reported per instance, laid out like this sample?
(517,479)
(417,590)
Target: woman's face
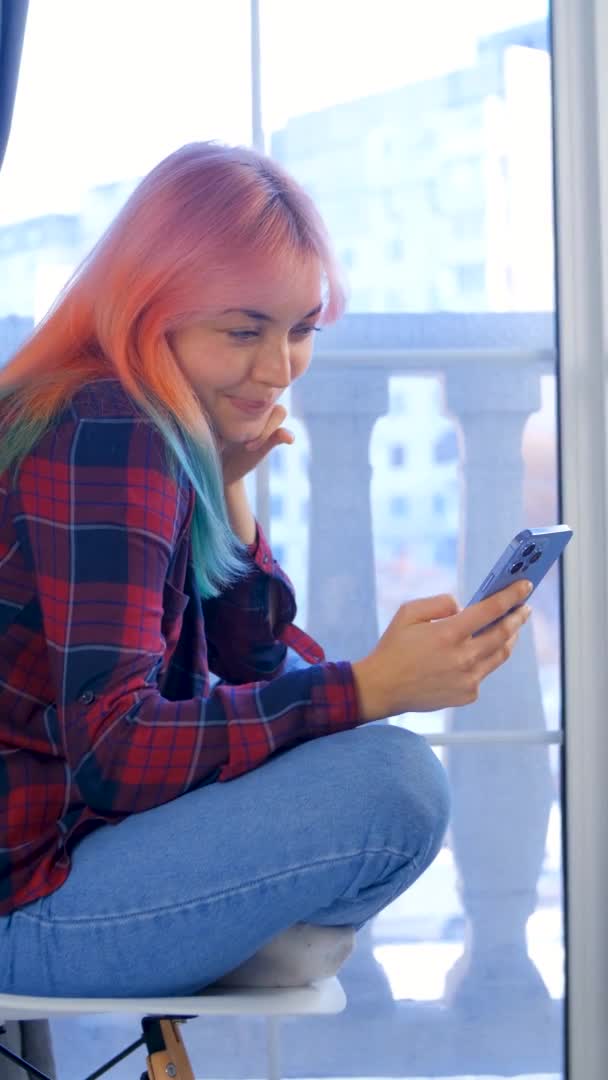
(240,361)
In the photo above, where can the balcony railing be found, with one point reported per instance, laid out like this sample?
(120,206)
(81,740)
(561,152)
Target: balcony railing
(496,1014)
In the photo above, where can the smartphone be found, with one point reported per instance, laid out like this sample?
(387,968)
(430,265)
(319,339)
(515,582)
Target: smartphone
(529,556)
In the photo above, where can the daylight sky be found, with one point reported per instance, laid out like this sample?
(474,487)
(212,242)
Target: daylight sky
(108,87)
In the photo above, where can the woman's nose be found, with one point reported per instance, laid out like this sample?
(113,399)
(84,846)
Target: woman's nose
(273,365)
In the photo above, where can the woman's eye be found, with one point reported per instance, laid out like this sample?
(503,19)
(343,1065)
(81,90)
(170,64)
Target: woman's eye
(303,331)
(243,335)
(248,335)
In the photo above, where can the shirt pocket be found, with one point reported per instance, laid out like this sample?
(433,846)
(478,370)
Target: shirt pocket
(175,603)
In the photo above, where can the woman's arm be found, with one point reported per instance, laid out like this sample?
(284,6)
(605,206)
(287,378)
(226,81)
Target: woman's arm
(246,528)
(99,517)
(239,512)
(249,625)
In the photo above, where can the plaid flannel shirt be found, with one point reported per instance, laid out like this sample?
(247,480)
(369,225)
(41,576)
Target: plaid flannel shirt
(106,703)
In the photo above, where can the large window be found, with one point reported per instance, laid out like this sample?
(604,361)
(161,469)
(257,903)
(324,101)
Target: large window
(423,130)
(436,143)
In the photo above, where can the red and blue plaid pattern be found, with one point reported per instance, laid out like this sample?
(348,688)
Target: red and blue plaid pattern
(106,703)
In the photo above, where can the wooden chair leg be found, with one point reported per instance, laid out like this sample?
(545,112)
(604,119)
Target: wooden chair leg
(168,1056)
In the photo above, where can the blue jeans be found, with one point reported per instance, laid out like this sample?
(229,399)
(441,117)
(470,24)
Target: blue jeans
(169,900)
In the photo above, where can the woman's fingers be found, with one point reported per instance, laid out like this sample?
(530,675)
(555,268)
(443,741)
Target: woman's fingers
(488,651)
(273,424)
(497,636)
(496,659)
(281,437)
(475,617)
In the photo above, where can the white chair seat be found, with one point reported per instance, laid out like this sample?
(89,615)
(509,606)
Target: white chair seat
(325,996)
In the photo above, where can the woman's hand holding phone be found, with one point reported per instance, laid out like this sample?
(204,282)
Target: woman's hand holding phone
(428,657)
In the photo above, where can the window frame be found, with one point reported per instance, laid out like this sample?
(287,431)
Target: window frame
(580,104)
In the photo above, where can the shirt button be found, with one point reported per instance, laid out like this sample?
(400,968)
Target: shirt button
(87,697)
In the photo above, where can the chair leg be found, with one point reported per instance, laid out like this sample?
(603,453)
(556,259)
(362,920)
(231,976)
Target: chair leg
(25,1065)
(273,1047)
(167,1056)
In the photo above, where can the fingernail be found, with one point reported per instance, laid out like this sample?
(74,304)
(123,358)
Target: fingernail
(527,611)
(529,587)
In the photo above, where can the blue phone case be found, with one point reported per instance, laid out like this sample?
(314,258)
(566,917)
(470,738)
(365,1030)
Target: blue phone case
(529,556)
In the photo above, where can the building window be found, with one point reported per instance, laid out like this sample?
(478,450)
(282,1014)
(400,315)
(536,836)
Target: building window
(446,448)
(397,455)
(399,505)
(276,506)
(446,550)
(468,225)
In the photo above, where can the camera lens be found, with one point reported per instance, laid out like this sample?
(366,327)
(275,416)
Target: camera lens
(516,567)
(536,556)
(528,550)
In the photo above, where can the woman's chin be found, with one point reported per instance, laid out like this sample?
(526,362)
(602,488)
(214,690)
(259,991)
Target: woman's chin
(239,434)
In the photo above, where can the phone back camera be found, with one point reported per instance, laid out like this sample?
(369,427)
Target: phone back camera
(528,550)
(536,556)
(517,566)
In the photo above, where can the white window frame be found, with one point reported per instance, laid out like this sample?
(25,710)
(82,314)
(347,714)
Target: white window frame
(580,45)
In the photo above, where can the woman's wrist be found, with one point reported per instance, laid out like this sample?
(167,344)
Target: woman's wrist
(240,515)
(369,694)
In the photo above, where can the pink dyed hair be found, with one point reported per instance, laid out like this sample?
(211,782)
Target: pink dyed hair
(202,225)
(194,231)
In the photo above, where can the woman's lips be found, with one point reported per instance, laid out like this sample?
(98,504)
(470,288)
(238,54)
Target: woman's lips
(252,407)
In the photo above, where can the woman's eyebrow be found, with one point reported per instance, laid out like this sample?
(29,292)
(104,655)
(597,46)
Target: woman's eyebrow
(262,317)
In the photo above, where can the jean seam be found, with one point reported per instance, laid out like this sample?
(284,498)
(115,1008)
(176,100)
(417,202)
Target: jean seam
(211,898)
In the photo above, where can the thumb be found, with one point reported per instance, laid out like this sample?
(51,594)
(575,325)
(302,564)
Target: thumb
(265,445)
(283,437)
(278,438)
(431,607)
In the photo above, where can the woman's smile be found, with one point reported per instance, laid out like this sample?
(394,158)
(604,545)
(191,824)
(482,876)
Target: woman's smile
(248,405)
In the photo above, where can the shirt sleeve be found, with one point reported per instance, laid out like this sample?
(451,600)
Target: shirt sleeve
(99,520)
(242,643)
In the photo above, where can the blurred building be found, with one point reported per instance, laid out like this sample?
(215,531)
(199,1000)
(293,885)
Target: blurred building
(436,194)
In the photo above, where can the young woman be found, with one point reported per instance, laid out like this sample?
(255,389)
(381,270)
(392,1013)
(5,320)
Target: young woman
(131,567)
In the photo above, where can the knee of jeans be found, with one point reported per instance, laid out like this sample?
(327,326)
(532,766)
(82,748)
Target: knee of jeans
(416,788)
(436,799)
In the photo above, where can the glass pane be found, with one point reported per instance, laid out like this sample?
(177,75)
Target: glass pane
(423,131)
(106,90)
(425,138)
